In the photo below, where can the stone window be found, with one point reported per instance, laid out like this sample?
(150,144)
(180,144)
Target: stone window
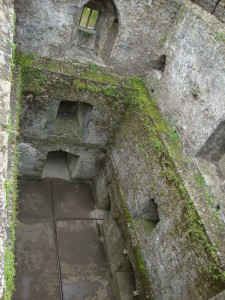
(89,18)
(97,28)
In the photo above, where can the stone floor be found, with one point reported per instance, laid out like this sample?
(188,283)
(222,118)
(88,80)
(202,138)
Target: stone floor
(59,252)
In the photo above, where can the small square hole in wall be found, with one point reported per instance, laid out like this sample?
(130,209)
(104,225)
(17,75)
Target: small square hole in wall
(67,108)
(89,18)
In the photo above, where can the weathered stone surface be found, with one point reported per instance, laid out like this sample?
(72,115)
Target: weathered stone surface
(6,36)
(175,267)
(37,274)
(101,191)
(190,92)
(215,181)
(58,247)
(31,160)
(50,28)
(40,117)
(64,113)
(217,8)
(220,296)
(182,48)
(143,190)
(191,89)
(118,259)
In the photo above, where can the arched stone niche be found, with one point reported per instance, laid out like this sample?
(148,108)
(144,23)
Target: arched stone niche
(101,38)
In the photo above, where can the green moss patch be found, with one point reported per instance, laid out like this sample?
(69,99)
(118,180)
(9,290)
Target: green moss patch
(12,197)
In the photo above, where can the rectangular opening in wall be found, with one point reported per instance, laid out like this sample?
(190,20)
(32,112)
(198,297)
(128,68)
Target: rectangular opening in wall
(89,18)
(66,122)
(93,19)
(85,17)
(67,108)
(56,165)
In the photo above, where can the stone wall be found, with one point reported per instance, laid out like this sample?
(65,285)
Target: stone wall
(214,7)
(191,89)
(50,28)
(181,47)
(159,200)
(174,252)
(6,38)
(69,108)
(220,296)
(157,197)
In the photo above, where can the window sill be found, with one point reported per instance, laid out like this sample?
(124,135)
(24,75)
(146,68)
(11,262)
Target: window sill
(87,30)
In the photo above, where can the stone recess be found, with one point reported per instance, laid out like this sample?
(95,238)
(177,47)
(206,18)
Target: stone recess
(6,39)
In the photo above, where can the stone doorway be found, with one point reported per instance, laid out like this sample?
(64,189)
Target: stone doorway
(56,165)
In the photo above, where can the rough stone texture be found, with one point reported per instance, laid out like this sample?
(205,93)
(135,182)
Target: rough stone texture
(191,89)
(84,168)
(210,6)
(176,270)
(57,223)
(118,259)
(50,123)
(213,149)
(175,264)
(101,191)
(6,36)
(220,296)
(182,49)
(134,52)
(57,31)
(39,114)
(49,28)
(215,181)
(31,160)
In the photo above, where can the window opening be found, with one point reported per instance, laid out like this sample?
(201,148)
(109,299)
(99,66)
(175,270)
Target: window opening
(89,18)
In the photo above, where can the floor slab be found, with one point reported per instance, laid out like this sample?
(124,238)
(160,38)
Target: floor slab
(84,270)
(35,200)
(36,264)
(57,243)
(72,199)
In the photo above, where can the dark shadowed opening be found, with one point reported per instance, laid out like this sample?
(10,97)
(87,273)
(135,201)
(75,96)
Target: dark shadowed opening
(159,63)
(67,108)
(57,164)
